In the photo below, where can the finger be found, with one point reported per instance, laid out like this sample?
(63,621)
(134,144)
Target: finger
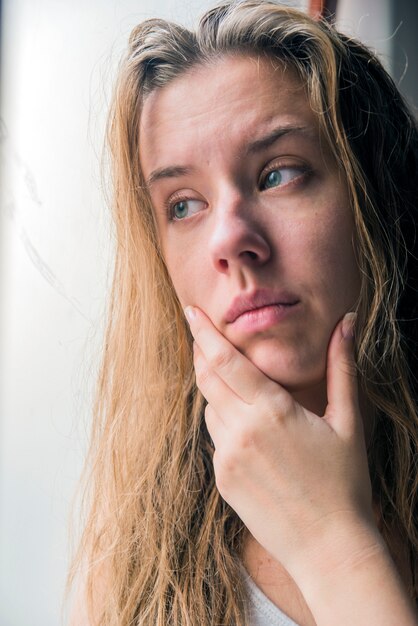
(343,408)
(213,388)
(235,369)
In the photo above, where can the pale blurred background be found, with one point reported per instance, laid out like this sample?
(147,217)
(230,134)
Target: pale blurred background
(58,63)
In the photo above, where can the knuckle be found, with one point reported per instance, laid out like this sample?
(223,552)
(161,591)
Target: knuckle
(285,405)
(202,375)
(234,453)
(221,359)
(226,461)
(280,407)
(244,439)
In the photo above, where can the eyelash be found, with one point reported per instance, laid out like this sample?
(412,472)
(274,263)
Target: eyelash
(172,201)
(303,169)
(177,198)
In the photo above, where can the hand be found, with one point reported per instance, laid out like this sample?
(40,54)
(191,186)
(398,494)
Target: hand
(294,478)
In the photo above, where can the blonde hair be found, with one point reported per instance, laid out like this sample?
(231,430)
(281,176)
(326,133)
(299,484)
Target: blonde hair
(156,524)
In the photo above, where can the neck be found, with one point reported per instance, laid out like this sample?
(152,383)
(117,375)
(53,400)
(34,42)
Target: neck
(313,398)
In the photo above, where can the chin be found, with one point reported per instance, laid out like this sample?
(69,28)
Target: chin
(302,373)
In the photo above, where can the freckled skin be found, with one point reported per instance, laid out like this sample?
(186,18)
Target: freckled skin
(240,235)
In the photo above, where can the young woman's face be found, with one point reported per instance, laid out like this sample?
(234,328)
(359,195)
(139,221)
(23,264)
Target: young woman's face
(253,213)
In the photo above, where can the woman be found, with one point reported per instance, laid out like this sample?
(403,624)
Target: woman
(264,179)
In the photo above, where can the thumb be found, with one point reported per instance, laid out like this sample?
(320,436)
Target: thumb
(343,409)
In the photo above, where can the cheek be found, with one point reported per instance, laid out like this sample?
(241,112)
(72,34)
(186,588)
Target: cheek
(186,272)
(325,253)
(339,264)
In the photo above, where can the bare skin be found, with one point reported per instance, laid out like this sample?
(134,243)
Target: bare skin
(326,539)
(243,231)
(277,584)
(242,212)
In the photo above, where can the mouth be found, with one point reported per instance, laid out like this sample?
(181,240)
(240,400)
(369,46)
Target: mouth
(263,304)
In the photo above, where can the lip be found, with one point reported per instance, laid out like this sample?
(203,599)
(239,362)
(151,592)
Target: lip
(262,305)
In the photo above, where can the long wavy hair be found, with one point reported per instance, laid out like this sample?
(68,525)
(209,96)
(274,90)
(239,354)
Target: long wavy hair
(160,546)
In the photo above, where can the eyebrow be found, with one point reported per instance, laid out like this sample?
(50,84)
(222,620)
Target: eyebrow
(277,133)
(175,171)
(172,171)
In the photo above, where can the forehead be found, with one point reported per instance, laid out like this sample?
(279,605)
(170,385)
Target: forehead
(220,105)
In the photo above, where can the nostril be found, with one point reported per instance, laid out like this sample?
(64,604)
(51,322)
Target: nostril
(238,245)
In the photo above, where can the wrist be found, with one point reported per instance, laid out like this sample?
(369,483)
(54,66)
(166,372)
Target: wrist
(337,549)
(355,575)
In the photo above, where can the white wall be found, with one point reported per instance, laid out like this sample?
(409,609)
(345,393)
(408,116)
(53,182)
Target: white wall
(371,22)
(58,58)
(55,247)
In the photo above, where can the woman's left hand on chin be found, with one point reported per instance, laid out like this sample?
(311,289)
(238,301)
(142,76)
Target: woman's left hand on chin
(299,482)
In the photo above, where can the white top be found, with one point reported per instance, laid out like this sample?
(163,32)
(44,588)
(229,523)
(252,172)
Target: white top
(262,611)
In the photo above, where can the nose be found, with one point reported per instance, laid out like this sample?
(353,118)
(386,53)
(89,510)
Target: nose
(238,240)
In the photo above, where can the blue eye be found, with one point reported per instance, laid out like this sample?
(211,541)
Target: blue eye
(281,176)
(184,207)
(180,209)
(273,179)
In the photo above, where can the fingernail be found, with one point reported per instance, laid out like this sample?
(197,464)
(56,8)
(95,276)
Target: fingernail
(348,325)
(190,313)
